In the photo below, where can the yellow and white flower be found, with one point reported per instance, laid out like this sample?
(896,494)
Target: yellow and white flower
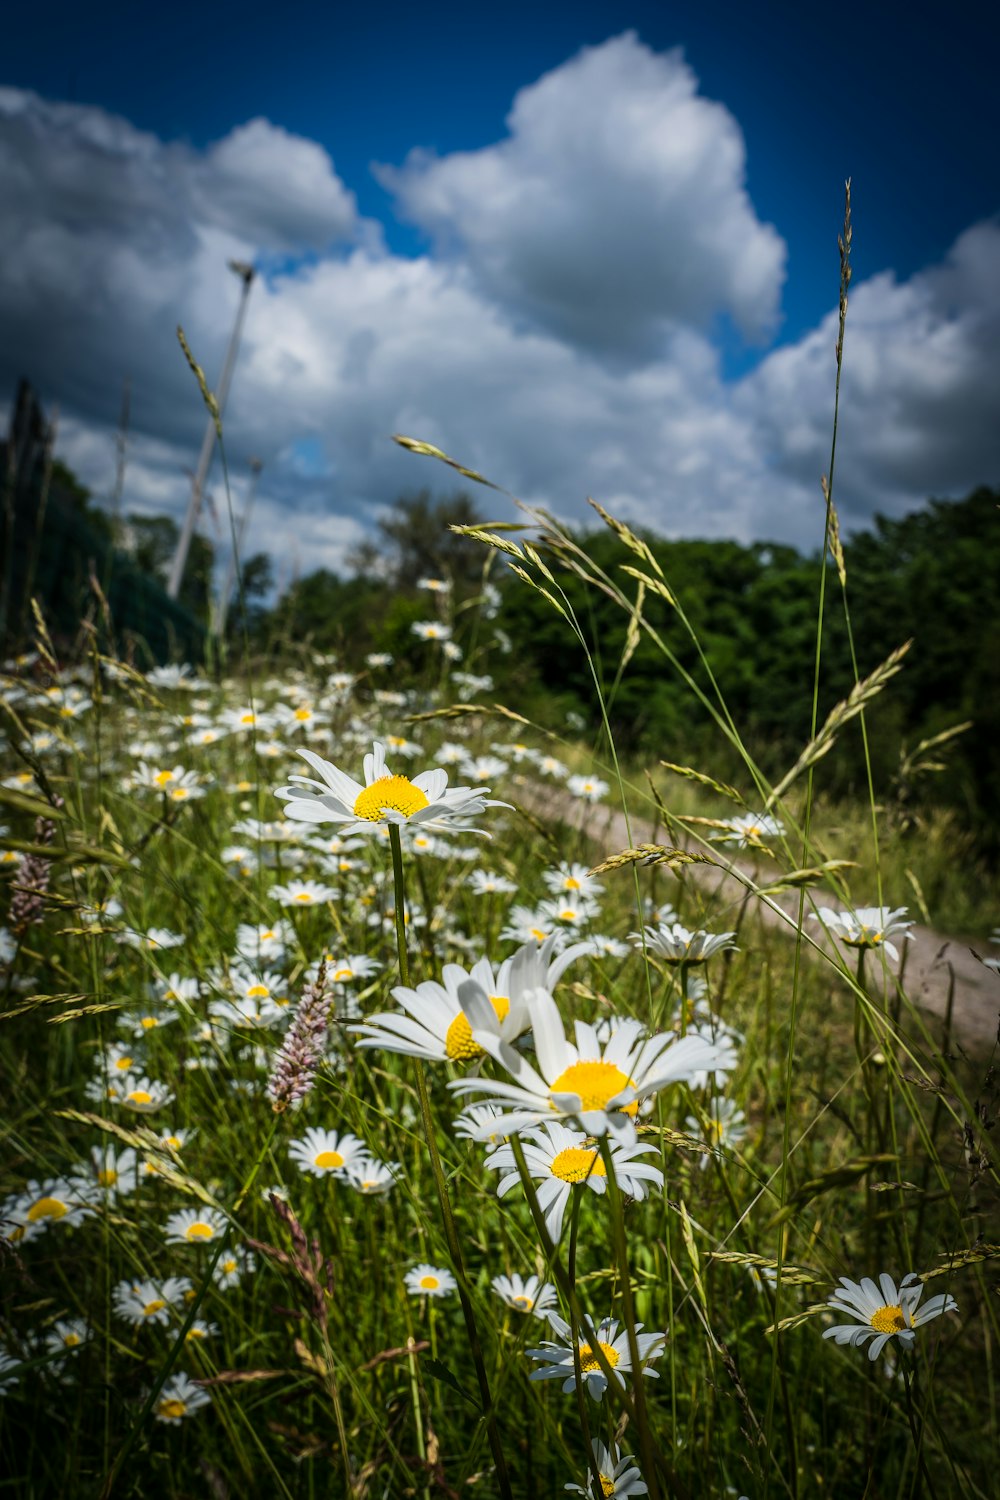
(384,798)
(325,1153)
(139,1302)
(600,1088)
(179,1398)
(557,1361)
(194,1226)
(429,1281)
(883,1312)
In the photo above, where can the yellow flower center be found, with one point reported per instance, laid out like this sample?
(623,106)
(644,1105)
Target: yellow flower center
(258,992)
(571,883)
(199,1231)
(171,1407)
(124,1064)
(524,1303)
(328,1160)
(303,715)
(588,1359)
(163,778)
(71,1340)
(304,896)
(179,793)
(389,793)
(458,1042)
(888,1320)
(607,1485)
(47,1208)
(595,1083)
(152,1308)
(195,1333)
(429,1283)
(576,1164)
(228,1266)
(108,1177)
(539,933)
(342,974)
(148,1022)
(247,718)
(172,1140)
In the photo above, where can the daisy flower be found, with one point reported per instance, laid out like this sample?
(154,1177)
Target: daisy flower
(725,1125)
(384,798)
(867,927)
(153,940)
(115,1170)
(483,883)
(588,788)
(526,924)
(616,1475)
(179,1398)
(373,1178)
(324,1152)
(429,1281)
(378,659)
(139,1302)
(434,1024)
(194,1226)
(750,830)
(560,1159)
(676,944)
(143,1095)
(200,1330)
(478,1122)
(67,1334)
(883,1312)
(57,1200)
(571,880)
(9,1371)
(430,630)
(232,1266)
(526,1294)
(175,989)
(435,585)
(557,1361)
(600,1088)
(303,893)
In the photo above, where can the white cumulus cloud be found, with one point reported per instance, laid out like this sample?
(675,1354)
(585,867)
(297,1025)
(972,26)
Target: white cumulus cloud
(615,207)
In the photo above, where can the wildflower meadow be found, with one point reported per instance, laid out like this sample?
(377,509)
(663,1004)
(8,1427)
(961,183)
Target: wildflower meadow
(403,1096)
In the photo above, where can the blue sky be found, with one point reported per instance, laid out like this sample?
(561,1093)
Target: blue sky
(506,228)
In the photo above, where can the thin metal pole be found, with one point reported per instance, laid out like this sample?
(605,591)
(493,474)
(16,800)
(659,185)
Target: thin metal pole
(246,273)
(227,588)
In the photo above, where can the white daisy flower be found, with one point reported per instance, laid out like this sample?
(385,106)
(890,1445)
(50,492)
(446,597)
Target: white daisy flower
(882,1311)
(557,1362)
(725,1125)
(617,1475)
(143,1095)
(588,788)
(430,630)
(676,944)
(67,1334)
(483,883)
(434,1024)
(140,1302)
(57,1200)
(324,1152)
(571,880)
(750,830)
(179,1398)
(373,1178)
(478,1122)
(526,1294)
(384,798)
(560,1159)
(231,1267)
(302,893)
(174,989)
(201,1330)
(526,924)
(9,1371)
(867,927)
(600,1088)
(435,585)
(377,659)
(194,1226)
(153,940)
(115,1170)
(429,1281)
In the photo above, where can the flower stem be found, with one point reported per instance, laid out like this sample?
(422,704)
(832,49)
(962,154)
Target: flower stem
(646,1445)
(450,1229)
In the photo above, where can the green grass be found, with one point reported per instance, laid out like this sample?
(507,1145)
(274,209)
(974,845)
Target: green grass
(848,1168)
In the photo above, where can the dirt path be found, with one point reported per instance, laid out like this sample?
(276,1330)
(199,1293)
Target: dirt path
(930,961)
